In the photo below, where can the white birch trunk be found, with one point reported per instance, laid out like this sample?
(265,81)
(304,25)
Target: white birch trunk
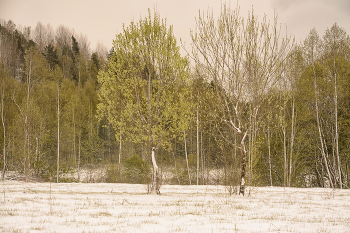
(155,183)
(26,144)
(188,168)
(243,171)
(336,128)
(79,154)
(197,148)
(285,168)
(291,146)
(202,158)
(320,135)
(269,148)
(58,133)
(74,139)
(4,129)
(120,145)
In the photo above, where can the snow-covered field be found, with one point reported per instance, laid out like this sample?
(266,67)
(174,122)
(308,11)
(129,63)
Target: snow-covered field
(99,207)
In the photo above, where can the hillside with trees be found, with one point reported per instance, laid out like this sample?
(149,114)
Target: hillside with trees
(246,107)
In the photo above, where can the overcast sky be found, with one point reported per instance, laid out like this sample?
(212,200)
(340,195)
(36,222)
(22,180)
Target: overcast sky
(101,20)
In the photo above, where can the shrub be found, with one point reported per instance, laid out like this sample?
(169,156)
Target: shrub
(137,170)
(115,174)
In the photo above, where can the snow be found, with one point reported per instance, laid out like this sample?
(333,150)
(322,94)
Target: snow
(100,207)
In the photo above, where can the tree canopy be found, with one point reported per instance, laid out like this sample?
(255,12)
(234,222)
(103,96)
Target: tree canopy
(245,107)
(143,90)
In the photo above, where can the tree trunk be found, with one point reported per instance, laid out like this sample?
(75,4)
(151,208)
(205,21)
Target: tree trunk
(25,152)
(250,150)
(269,148)
(120,145)
(291,145)
(74,138)
(285,167)
(79,136)
(320,136)
(4,129)
(155,178)
(336,128)
(58,133)
(90,134)
(242,185)
(202,158)
(243,171)
(188,168)
(79,154)
(197,148)
(26,125)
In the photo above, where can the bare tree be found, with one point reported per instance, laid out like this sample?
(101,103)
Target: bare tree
(40,36)
(243,58)
(9,53)
(102,50)
(63,37)
(50,36)
(84,46)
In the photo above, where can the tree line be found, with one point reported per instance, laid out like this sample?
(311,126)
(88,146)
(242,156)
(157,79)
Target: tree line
(246,106)
(49,100)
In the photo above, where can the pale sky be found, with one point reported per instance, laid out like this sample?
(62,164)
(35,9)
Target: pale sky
(101,20)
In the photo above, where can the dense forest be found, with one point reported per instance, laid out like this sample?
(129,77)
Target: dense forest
(244,107)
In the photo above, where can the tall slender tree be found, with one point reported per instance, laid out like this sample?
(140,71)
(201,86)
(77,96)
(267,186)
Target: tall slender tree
(312,50)
(335,51)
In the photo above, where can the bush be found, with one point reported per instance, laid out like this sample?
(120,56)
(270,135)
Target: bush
(137,170)
(115,174)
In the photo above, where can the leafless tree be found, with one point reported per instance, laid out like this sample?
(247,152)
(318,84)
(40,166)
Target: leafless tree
(243,59)
(40,36)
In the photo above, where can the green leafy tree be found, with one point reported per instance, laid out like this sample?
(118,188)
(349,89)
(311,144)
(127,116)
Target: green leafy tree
(26,100)
(145,86)
(7,113)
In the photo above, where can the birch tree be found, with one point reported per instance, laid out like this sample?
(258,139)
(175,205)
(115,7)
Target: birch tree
(335,49)
(294,70)
(2,97)
(6,84)
(312,53)
(35,70)
(243,57)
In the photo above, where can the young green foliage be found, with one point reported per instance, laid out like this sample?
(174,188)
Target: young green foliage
(144,86)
